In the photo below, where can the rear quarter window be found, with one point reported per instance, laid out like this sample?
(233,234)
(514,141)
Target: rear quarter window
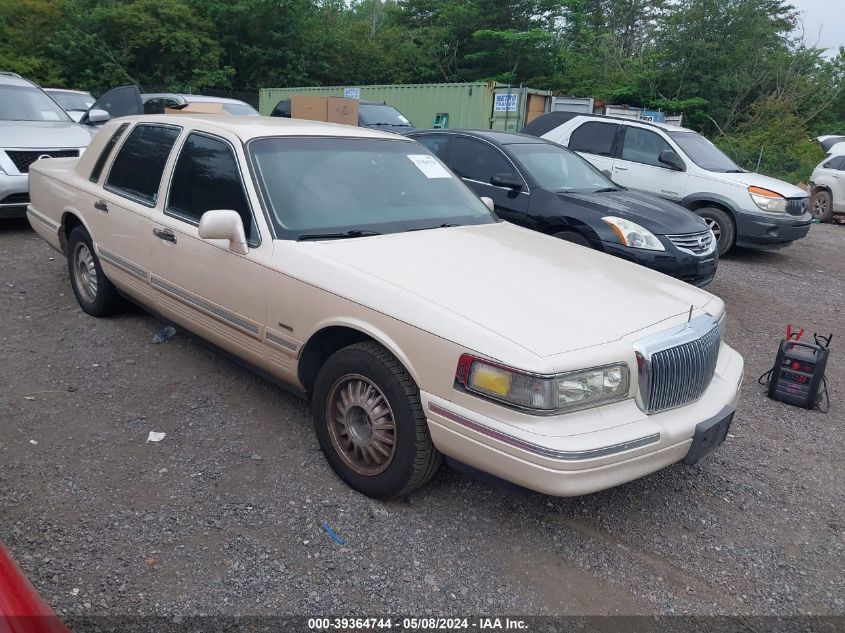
(107,150)
(594,137)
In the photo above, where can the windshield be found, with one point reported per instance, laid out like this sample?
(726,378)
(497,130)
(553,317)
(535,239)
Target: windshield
(557,169)
(315,186)
(27,103)
(703,153)
(381,115)
(72,100)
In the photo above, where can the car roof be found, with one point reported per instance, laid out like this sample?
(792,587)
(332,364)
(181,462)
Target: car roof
(76,92)
(14,79)
(496,136)
(549,121)
(249,127)
(209,99)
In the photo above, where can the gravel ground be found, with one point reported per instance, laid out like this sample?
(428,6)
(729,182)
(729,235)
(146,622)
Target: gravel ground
(224,515)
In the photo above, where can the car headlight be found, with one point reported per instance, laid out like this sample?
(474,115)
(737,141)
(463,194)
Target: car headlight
(562,393)
(768,200)
(633,235)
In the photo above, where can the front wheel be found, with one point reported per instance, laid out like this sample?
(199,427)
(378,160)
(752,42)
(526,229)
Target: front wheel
(821,205)
(94,292)
(722,226)
(370,423)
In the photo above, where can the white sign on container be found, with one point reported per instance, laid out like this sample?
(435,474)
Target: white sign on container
(505,103)
(352,93)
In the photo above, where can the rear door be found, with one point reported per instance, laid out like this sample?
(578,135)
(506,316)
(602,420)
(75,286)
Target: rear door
(476,162)
(596,141)
(636,165)
(128,204)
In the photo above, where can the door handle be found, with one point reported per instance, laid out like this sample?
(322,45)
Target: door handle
(165,234)
(620,168)
(101,205)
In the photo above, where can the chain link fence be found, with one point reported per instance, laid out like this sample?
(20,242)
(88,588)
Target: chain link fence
(792,169)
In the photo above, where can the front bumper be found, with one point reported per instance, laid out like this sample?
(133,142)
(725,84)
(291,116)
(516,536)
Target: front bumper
(693,269)
(14,195)
(770,230)
(625,444)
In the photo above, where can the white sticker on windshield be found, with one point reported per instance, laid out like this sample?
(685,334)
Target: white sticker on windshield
(429,166)
(403,119)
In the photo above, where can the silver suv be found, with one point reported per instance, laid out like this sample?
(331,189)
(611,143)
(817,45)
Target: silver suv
(32,127)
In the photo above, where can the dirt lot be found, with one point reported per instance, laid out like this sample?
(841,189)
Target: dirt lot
(225,514)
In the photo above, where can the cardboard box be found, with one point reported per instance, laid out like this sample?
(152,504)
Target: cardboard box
(308,107)
(343,111)
(327,109)
(198,108)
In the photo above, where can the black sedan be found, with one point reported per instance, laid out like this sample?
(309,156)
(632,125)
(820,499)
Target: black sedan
(545,187)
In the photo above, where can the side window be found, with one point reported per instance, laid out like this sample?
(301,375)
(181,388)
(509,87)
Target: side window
(837,162)
(137,168)
(438,144)
(594,137)
(107,150)
(643,146)
(206,177)
(478,161)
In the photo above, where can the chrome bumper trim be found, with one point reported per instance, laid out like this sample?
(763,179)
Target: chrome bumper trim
(602,451)
(35,215)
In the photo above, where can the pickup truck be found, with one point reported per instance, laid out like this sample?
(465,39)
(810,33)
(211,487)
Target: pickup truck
(352,265)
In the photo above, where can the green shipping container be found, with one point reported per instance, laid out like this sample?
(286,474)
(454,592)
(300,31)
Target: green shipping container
(468,105)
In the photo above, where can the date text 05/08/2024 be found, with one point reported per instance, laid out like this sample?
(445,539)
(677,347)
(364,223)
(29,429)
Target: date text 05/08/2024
(417,624)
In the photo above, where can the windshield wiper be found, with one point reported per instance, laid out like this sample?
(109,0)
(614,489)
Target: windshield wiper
(606,189)
(392,124)
(335,236)
(439,226)
(736,171)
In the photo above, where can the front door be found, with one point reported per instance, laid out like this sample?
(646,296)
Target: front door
(478,163)
(636,165)
(222,294)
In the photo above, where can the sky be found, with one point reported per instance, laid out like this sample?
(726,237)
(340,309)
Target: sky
(824,15)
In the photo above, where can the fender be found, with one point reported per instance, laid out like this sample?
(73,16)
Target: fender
(715,198)
(368,329)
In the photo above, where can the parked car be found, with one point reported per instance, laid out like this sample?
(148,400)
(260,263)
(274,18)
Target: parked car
(155,103)
(372,114)
(827,185)
(542,186)
(832,144)
(74,102)
(32,127)
(352,265)
(740,207)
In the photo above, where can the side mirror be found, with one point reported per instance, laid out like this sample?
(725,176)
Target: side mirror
(488,202)
(98,116)
(511,181)
(224,224)
(671,160)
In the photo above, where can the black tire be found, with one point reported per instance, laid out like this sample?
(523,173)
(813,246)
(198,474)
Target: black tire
(722,225)
(821,205)
(103,299)
(414,459)
(575,238)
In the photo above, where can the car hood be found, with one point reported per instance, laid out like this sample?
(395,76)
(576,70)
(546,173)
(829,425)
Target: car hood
(544,294)
(750,179)
(659,216)
(43,134)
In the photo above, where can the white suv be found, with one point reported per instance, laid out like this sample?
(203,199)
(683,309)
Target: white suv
(828,186)
(742,208)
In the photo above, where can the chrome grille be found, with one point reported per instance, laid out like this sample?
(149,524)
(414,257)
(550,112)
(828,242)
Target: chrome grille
(796,206)
(24,158)
(676,367)
(698,243)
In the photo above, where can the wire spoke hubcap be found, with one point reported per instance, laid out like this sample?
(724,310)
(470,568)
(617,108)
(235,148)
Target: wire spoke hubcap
(85,272)
(361,424)
(714,226)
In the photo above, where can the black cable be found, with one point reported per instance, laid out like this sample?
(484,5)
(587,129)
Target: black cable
(767,375)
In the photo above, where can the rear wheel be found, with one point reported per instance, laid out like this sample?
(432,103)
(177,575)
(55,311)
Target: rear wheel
(722,226)
(94,292)
(821,205)
(370,423)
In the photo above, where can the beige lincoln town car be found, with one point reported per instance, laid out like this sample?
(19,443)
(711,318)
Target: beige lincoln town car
(352,265)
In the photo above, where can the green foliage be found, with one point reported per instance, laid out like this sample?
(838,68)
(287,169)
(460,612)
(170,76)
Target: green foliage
(735,68)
